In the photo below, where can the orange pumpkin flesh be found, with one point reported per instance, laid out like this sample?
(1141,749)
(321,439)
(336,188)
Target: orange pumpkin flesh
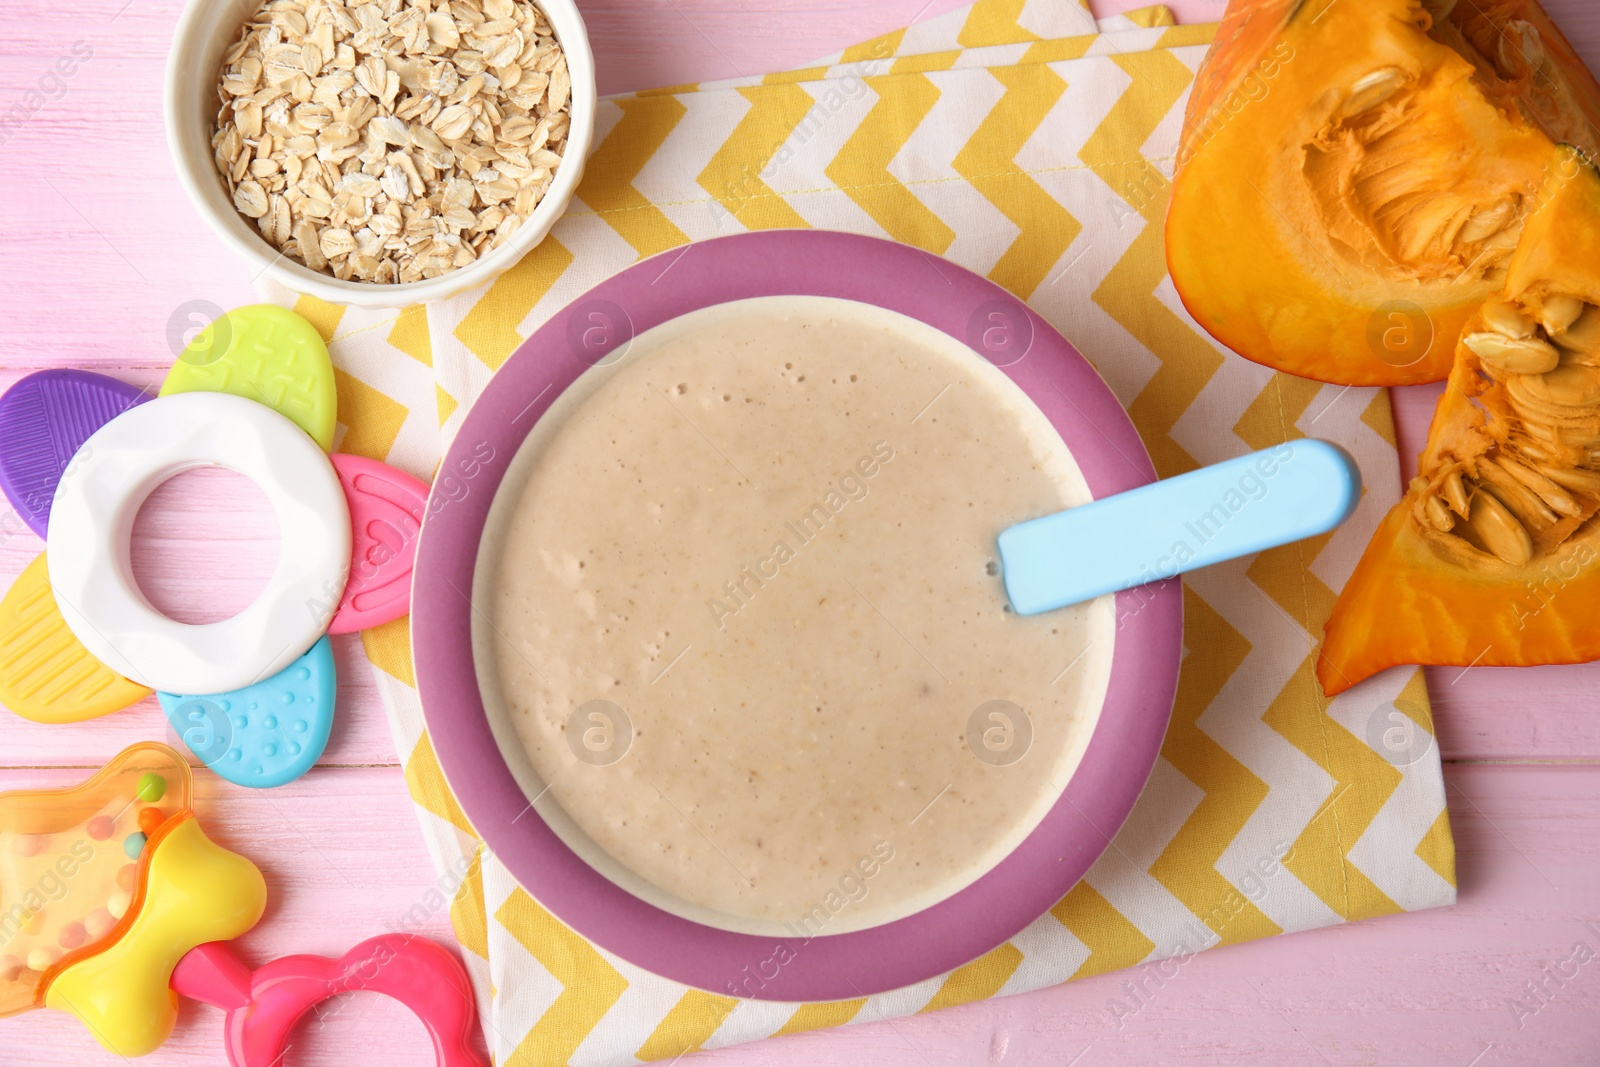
(1493,556)
(1354,176)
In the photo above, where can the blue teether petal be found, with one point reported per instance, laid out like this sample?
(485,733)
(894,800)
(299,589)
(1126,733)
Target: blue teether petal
(263,735)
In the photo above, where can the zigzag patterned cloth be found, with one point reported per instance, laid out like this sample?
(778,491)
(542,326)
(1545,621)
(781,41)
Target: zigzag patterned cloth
(1026,142)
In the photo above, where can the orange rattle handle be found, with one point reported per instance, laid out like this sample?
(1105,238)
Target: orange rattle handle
(264,1006)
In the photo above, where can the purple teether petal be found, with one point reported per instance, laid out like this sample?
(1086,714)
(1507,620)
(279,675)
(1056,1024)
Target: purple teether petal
(44,419)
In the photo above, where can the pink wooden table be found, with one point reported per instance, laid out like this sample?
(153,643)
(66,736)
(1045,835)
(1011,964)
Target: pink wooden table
(98,248)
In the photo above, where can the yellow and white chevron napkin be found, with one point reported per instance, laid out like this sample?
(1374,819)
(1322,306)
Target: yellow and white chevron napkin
(1022,140)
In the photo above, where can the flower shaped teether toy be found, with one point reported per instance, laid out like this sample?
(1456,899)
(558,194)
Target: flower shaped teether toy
(112,897)
(253,695)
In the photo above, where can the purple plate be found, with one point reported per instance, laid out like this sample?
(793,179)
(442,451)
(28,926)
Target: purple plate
(1120,755)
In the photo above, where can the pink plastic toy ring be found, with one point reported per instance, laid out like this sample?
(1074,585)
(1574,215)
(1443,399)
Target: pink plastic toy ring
(263,1007)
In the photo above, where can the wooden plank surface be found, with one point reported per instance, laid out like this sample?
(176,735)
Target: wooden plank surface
(99,252)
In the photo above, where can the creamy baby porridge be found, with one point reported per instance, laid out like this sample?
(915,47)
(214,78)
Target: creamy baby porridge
(742,631)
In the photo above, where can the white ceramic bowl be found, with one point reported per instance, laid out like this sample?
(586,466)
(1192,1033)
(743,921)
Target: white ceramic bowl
(205,30)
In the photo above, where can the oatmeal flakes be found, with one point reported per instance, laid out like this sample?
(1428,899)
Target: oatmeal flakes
(392,140)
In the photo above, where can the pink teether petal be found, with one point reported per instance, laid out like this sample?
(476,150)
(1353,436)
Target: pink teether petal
(263,1008)
(213,974)
(386,508)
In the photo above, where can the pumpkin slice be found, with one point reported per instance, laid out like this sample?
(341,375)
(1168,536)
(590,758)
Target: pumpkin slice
(1354,177)
(1493,556)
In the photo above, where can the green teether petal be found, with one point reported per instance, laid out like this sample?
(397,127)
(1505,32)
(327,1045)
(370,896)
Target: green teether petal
(267,354)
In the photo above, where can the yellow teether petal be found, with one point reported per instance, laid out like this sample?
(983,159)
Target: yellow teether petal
(195,892)
(45,673)
(267,354)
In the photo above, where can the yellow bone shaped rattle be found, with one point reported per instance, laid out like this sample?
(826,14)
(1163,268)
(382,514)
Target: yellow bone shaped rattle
(113,902)
(104,888)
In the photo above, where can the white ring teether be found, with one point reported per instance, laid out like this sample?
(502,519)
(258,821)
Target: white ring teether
(91,522)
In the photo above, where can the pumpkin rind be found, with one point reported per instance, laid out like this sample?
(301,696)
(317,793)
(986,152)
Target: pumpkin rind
(1406,604)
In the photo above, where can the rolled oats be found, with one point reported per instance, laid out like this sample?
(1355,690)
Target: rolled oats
(249,198)
(391,140)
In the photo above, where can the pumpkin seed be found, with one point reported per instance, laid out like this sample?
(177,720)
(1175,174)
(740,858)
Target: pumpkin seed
(1499,532)
(1579,481)
(1439,516)
(1526,355)
(1537,430)
(1506,319)
(1559,313)
(1573,385)
(1556,498)
(1455,493)
(1497,218)
(1373,89)
(1541,452)
(1582,337)
(1525,37)
(1518,498)
(1577,438)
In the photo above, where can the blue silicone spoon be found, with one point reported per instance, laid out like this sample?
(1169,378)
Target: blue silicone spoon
(1269,498)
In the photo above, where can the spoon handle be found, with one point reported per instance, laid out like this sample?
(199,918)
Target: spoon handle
(1231,509)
